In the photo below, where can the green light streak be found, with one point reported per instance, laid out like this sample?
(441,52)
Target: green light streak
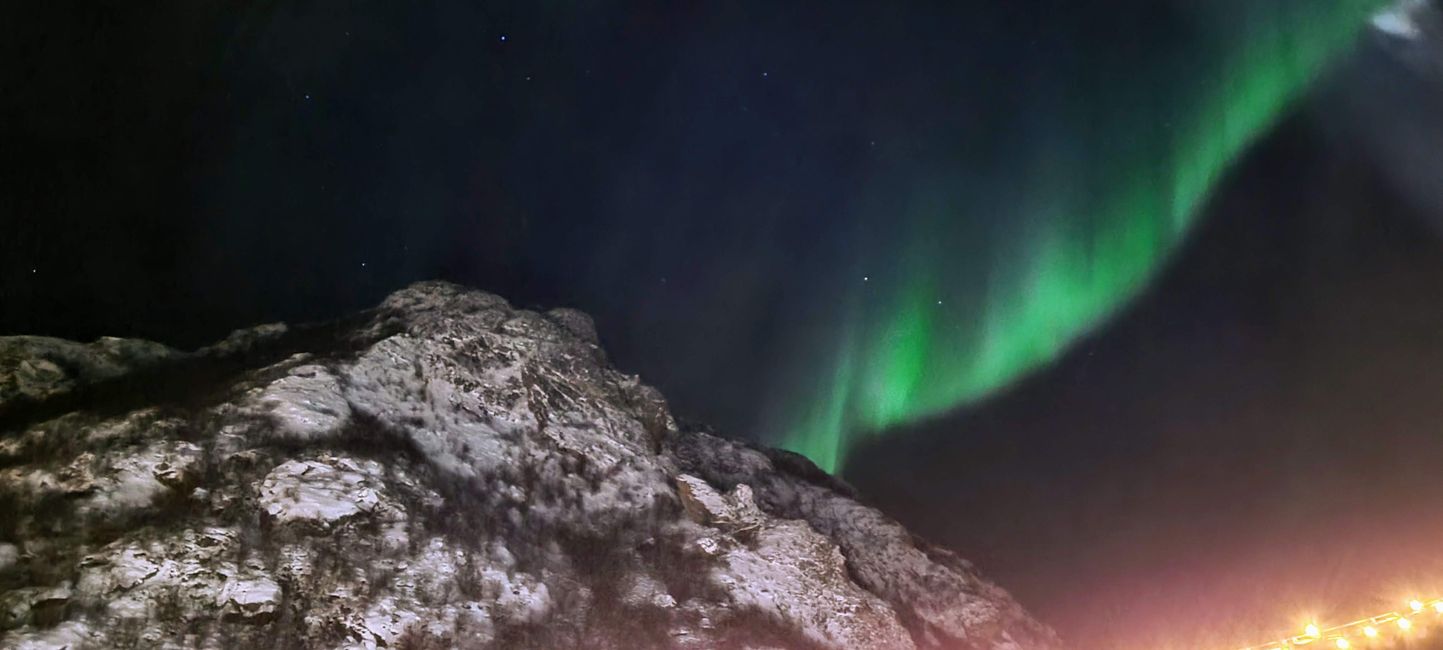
(1118,182)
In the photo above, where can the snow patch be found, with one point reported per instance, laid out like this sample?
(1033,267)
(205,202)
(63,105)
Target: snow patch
(253,598)
(324,491)
(305,405)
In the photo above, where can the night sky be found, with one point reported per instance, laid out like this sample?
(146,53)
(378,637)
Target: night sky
(1110,264)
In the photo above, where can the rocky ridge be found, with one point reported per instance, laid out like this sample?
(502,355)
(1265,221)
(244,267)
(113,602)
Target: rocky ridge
(442,471)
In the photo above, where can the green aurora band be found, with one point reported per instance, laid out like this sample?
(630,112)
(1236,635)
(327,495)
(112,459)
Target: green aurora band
(1119,178)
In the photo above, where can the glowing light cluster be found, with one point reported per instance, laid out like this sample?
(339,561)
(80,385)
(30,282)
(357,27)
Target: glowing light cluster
(1368,632)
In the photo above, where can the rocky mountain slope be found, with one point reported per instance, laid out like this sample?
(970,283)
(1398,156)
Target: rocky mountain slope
(442,471)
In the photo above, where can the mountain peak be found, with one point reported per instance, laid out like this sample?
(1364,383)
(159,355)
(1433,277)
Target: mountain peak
(441,471)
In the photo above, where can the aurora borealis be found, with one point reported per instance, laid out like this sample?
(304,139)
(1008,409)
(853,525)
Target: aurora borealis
(805,223)
(1085,195)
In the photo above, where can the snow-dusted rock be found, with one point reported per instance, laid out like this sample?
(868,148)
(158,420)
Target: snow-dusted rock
(444,471)
(704,504)
(322,492)
(798,578)
(306,404)
(251,598)
(133,482)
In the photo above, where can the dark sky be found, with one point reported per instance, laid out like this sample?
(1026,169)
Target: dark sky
(702,177)
(696,175)
(178,171)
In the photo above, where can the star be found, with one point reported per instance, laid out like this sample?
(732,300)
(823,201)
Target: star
(866,278)
(503,38)
(766,74)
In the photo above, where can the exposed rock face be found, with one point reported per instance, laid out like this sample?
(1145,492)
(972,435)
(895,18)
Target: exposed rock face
(444,471)
(38,366)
